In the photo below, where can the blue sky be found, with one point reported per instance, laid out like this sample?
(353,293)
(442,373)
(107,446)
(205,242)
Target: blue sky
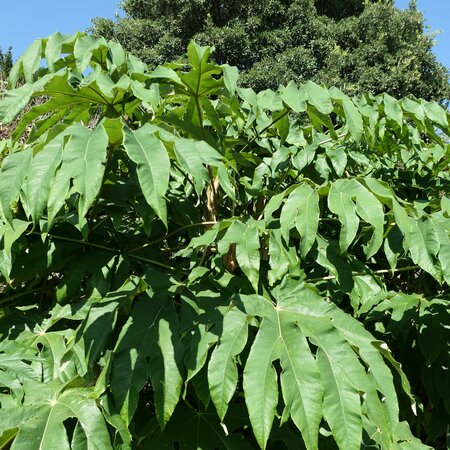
(22,22)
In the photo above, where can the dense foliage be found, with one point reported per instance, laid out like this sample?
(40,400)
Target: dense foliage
(6,63)
(189,264)
(358,46)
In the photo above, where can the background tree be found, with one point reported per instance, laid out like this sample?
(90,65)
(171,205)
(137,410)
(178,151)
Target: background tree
(6,63)
(358,46)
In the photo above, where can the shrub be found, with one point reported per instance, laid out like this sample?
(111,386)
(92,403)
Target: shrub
(188,264)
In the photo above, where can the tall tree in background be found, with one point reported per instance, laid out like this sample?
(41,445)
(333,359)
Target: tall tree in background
(6,63)
(356,45)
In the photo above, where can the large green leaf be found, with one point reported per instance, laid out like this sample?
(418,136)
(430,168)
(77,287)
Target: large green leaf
(12,174)
(193,156)
(16,100)
(18,370)
(197,319)
(370,209)
(222,370)
(83,162)
(302,211)
(302,391)
(246,238)
(153,166)
(393,110)
(283,259)
(260,381)
(40,420)
(319,97)
(425,245)
(334,371)
(62,98)
(98,324)
(40,176)
(341,203)
(199,80)
(294,97)
(146,348)
(443,233)
(351,113)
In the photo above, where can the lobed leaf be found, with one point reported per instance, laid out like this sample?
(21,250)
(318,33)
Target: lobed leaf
(83,162)
(340,203)
(153,166)
(302,211)
(222,370)
(39,178)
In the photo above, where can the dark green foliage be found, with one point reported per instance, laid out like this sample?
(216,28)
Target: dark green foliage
(189,264)
(417,330)
(357,46)
(6,63)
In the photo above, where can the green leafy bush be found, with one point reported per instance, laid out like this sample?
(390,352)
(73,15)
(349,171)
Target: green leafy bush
(188,264)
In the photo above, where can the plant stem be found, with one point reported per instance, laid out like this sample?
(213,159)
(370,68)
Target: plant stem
(152,261)
(77,241)
(18,295)
(265,129)
(356,274)
(191,225)
(108,249)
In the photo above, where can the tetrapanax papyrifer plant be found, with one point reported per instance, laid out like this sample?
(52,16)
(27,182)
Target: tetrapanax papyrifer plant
(189,264)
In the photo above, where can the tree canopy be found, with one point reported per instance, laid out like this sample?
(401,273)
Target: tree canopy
(358,46)
(6,63)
